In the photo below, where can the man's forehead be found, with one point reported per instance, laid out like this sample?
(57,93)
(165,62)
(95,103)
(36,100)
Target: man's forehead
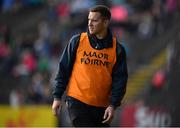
(95,15)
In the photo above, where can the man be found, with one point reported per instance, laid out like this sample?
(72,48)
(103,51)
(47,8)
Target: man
(93,71)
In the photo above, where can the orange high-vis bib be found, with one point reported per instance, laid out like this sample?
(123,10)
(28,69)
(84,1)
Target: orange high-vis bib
(91,77)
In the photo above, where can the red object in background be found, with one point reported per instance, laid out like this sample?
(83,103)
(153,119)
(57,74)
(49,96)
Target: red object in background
(159,79)
(119,13)
(171,5)
(127,116)
(4,50)
(30,61)
(63,10)
(137,114)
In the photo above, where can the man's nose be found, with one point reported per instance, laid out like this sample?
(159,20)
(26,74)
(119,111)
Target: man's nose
(89,23)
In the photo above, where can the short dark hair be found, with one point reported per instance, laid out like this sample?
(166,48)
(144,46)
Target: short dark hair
(103,10)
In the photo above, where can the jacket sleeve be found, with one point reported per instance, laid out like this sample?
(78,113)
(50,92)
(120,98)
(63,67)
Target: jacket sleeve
(65,67)
(119,77)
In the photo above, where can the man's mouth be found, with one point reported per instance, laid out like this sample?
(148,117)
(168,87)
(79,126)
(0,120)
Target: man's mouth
(90,28)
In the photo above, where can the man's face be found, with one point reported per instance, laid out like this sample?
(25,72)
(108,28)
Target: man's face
(96,24)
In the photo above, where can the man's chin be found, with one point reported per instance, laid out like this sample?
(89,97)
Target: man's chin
(91,32)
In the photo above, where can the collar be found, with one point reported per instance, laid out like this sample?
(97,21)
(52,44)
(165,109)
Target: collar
(96,43)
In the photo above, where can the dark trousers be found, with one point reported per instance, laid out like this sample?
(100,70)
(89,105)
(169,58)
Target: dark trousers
(83,115)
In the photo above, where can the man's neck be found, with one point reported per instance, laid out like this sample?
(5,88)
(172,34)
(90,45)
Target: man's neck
(102,35)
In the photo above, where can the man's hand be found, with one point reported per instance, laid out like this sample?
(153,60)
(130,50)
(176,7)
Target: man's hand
(108,114)
(56,107)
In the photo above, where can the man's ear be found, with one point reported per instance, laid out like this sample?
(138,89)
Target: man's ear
(106,22)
